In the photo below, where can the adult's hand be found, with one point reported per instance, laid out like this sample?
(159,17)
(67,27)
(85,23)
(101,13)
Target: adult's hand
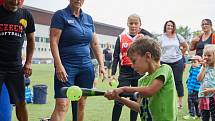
(102,72)
(61,73)
(27,70)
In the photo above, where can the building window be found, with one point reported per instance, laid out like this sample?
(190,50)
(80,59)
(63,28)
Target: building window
(102,45)
(38,49)
(37,39)
(41,39)
(113,46)
(47,40)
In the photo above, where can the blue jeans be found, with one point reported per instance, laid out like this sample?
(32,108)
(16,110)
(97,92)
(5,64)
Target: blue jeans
(5,106)
(193,104)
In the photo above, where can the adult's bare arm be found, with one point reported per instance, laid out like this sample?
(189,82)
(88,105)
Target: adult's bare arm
(27,68)
(97,52)
(194,42)
(54,40)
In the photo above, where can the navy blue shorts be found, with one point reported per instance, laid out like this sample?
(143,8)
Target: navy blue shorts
(79,76)
(14,81)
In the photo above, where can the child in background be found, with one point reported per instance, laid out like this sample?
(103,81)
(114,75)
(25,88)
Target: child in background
(193,86)
(158,86)
(207,78)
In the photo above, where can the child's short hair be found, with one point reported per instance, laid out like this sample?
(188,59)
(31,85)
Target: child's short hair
(210,48)
(143,45)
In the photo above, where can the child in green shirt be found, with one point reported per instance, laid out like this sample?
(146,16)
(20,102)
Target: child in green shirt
(157,86)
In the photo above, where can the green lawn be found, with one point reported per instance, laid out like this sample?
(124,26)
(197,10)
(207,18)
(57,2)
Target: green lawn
(97,108)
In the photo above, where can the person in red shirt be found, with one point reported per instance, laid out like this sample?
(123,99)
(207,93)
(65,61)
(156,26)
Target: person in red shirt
(127,75)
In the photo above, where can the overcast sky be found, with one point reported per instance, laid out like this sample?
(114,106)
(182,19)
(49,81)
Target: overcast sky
(153,13)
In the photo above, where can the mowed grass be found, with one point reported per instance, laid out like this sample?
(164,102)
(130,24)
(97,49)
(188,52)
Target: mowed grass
(97,108)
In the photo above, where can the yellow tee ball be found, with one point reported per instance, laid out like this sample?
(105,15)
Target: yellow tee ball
(74,93)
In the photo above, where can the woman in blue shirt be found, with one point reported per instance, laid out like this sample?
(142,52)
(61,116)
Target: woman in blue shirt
(72,33)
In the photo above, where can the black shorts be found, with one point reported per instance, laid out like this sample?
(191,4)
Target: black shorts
(14,81)
(108,64)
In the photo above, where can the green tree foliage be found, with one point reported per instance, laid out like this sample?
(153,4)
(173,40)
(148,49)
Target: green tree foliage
(184,31)
(196,33)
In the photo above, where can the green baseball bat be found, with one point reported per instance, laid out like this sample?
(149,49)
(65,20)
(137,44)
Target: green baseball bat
(77,92)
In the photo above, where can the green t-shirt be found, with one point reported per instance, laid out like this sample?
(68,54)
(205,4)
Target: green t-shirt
(162,105)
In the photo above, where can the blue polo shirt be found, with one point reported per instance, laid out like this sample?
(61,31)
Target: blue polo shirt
(77,33)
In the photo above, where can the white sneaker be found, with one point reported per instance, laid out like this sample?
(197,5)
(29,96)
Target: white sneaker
(187,117)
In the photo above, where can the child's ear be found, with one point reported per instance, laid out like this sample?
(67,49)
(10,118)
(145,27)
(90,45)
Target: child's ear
(148,55)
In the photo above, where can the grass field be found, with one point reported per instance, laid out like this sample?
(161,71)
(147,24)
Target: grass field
(97,108)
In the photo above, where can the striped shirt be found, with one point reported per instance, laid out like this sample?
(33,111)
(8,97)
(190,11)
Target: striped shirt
(192,83)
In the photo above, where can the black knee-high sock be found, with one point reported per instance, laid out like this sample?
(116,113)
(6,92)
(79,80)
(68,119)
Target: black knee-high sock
(75,110)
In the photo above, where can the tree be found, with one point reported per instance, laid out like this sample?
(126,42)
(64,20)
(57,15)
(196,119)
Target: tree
(156,35)
(196,33)
(184,31)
